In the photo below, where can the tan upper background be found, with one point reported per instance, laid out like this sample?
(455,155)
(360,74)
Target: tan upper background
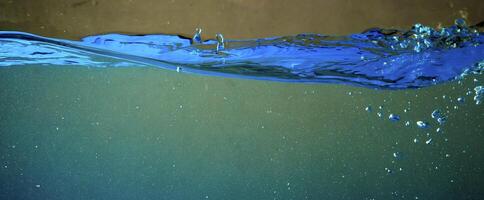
(234,18)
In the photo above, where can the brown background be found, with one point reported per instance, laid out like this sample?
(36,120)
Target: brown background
(234,18)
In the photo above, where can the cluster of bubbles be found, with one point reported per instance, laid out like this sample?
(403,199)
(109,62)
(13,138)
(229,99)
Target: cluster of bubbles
(422,37)
(438,117)
(479,90)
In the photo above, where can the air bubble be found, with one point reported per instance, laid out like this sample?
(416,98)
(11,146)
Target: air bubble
(394,117)
(422,124)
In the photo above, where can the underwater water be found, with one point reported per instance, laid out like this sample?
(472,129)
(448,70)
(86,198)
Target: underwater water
(100,118)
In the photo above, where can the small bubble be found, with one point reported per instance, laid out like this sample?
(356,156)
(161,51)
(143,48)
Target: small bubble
(37,186)
(422,124)
(441,120)
(436,114)
(368,108)
(460,100)
(394,117)
(429,141)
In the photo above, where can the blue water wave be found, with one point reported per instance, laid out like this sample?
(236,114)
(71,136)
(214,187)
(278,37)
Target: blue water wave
(377,58)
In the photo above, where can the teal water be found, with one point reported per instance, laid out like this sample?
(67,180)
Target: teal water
(144,133)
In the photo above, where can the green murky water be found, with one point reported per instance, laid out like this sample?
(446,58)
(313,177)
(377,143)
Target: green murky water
(145,133)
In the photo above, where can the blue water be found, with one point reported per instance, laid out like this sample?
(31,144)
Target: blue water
(377,58)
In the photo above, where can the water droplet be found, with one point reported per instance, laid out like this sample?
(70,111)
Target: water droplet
(197,36)
(461,23)
(220,42)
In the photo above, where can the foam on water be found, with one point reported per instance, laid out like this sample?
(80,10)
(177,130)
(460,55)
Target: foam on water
(377,58)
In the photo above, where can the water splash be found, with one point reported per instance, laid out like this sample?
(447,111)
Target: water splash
(377,58)
(220,42)
(197,37)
